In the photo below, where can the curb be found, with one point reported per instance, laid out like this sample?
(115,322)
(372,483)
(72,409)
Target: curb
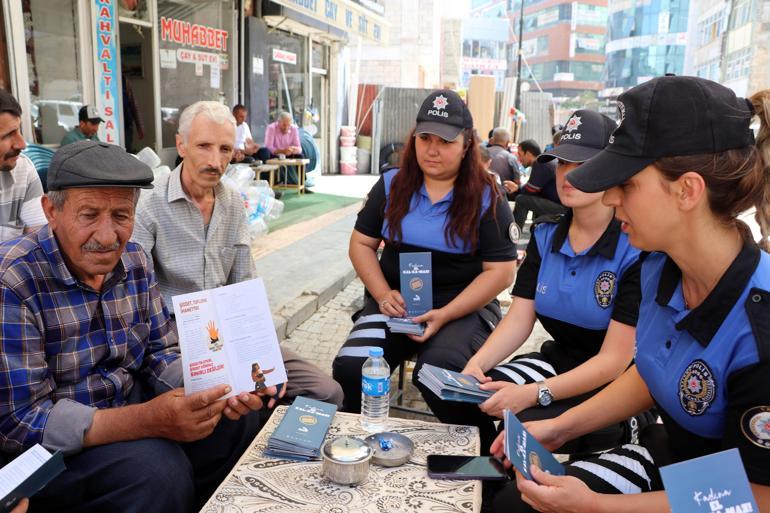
(298,310)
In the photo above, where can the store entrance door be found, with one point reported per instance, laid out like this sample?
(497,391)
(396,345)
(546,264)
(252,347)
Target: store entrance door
(138,86)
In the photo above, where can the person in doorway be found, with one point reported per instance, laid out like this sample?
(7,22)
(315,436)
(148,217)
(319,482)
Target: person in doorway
(89,119)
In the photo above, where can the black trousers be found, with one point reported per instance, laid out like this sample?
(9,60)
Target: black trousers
(450,348)
(148,476)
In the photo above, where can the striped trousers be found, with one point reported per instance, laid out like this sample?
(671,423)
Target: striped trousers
(450,348)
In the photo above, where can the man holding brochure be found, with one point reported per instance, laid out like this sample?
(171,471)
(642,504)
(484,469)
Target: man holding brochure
(194,229)
(91,364)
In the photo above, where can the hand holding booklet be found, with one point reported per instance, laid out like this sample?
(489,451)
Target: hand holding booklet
(452,386)
(417,291)
(521,448)
(227,336)
(28,474)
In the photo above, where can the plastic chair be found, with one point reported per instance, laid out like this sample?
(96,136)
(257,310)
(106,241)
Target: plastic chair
(41,157)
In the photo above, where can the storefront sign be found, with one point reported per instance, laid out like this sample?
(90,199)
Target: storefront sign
(194,56)
(342,14)
(284,56)
(107,77)
(189,34)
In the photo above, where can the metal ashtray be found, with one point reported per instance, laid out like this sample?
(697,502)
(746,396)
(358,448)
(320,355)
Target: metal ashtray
(390,449)
(346,460)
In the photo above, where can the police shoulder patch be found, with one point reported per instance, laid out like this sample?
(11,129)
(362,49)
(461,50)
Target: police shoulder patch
(514,233)
(604,287)
(755,425)
(697,388)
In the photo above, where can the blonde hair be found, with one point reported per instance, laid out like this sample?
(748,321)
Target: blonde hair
(736,179)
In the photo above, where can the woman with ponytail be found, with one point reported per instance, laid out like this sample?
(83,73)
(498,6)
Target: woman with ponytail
(679,169)
(443,202)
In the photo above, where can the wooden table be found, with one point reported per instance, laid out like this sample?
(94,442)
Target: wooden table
(265,168)
(260,484)
(284,164)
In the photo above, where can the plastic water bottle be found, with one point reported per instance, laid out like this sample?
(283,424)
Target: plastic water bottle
(375,391)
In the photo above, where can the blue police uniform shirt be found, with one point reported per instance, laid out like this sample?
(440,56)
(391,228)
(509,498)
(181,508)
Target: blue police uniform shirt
(707,368)
(423,228)
(576,295)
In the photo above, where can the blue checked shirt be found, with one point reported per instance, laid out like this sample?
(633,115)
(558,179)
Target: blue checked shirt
(68,349)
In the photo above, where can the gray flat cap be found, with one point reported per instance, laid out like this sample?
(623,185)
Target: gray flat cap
(96,164)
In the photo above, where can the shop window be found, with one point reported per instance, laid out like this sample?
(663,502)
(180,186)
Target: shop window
(55,84)
(196,57)
(136,9)
(286,87)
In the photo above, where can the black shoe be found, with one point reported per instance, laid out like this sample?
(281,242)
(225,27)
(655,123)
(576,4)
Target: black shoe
(308,191)
(278,194)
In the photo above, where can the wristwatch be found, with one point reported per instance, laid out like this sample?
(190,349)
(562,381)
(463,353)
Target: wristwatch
(544,395)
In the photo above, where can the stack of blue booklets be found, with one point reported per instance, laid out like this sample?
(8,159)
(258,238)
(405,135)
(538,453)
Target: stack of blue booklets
(521,448)
(452,386)
(417,291)
(302,430)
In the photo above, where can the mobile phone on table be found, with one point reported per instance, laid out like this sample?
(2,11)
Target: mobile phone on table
(465,467)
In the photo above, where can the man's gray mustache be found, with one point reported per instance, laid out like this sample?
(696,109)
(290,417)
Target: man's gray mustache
(95,246)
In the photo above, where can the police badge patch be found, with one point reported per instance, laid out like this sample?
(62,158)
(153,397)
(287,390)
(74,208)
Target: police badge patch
(696,388)
(604,286)
(514,233)
(755,424)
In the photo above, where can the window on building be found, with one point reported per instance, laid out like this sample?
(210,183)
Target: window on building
(56,87)
(194,68)
(711,28)
(741,13)
(286,89)
(589,44)
(591,15)
(738,64)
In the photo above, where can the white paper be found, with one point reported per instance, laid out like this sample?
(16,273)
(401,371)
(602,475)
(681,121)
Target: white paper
(198,69)
(223,334)
(215,76)
(258,65)
(168,59)
(13,474)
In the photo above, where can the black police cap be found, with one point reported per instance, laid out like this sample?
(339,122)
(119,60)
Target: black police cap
(666,117)
(96,164)
(443,113)
(585,134)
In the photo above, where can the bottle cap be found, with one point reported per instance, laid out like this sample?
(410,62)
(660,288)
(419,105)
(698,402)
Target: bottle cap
(376,351)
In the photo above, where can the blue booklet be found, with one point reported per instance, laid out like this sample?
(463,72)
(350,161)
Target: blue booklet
(452,386)
(523,450)
(715,483)
(28,474)
(302,430)
(416,282)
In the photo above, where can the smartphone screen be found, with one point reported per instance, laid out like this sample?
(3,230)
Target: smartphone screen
(465,467)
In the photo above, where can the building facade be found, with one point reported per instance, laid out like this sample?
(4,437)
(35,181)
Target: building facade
(645,39)
(484,49)
(143,61)
(729,43)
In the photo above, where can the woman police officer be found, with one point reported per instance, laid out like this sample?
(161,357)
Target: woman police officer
(442,201)
(679,169)
(581,280)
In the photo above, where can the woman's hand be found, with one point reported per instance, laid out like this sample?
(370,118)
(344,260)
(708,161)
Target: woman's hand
(496,449)
(392,304)
(548,433)
(508,396)
(556,494)
(434,320)
(474,370)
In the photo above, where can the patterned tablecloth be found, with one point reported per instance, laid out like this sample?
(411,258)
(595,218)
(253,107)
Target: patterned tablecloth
(261,484)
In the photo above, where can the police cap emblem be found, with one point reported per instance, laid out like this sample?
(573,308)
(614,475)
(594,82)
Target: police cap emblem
(755,424)
(696,388)
(604,286)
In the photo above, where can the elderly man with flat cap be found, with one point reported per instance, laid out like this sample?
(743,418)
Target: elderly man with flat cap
(90,362)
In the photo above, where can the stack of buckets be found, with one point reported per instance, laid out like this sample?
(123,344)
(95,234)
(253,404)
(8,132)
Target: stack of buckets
(348,150)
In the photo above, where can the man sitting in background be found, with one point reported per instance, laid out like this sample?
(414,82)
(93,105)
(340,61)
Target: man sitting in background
(88,125)
(282,137)
(503,163)
(20,187)
(539,194)
(245,147)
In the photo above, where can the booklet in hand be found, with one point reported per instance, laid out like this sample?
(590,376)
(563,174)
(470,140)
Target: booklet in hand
(417,291)
(302,430)
(523,450)
(715,483)
(28,474)
(451,385)
(227,336)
